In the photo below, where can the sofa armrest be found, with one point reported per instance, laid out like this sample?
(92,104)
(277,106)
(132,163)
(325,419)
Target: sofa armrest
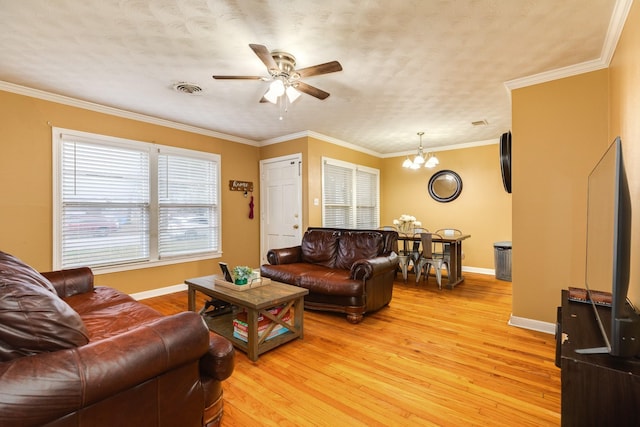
(219,361)
(285,255)
(71,281)
(365,269)
(38,389)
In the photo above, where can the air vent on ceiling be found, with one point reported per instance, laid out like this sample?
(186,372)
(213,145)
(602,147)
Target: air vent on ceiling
(480,123)
(187,88)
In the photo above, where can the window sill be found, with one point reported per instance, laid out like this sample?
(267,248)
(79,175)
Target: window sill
(151,264)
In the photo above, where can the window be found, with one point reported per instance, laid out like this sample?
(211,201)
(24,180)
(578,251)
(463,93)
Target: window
(119,202)
(350,195)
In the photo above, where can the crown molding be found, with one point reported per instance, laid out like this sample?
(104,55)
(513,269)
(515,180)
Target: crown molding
(341,143)
(73,102)
(559,73)
(325,138)
(444,148)
(616,25)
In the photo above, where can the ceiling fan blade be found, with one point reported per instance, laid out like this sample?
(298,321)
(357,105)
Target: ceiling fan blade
(311,90)
(328,67)
(265,56)
(237,77)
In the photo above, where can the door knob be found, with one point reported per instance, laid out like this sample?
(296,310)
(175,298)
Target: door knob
(295,226)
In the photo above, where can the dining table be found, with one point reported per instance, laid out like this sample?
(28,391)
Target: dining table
(453,242)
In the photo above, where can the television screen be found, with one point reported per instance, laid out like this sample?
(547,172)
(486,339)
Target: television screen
(601,222)
(609,248)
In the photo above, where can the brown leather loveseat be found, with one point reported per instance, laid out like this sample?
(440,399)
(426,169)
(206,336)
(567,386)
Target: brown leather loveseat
(347,271)
(72,354)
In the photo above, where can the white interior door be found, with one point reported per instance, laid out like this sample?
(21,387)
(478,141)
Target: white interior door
(281,203)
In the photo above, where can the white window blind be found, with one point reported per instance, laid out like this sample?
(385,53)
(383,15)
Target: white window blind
(350,195)
(105,204)
(188,203)
(367,199)
(120,202)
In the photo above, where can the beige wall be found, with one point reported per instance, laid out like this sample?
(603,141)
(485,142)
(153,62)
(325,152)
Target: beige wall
(482,210)
(313,149)
(319,149)
(26,174)
(559,132)
(26,204)
(405,191)
(624,119)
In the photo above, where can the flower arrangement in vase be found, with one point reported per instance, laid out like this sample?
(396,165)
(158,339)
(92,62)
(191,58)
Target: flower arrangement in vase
(406,223)
(241,274)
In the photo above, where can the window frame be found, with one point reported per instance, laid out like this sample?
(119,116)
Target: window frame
(355,168)
(154,150)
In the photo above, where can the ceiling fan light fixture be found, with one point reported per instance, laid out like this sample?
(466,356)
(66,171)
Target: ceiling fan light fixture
(271,97)
(293,94)
(276,89)
(283,74)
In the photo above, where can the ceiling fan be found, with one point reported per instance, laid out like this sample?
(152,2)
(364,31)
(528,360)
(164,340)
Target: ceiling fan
(284,76)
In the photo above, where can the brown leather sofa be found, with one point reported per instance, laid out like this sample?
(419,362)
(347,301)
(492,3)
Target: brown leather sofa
(72,354)
(346,271)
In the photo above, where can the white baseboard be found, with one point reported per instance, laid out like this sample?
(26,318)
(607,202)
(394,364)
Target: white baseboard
(159,292)
(534,325)
(488,271)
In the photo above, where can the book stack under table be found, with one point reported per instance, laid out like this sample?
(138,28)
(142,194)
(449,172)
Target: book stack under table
(265,325)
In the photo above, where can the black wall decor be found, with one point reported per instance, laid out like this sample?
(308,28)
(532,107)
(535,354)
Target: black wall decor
(505,160)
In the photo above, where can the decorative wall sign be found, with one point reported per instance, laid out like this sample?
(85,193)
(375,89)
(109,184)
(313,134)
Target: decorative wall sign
(240,185)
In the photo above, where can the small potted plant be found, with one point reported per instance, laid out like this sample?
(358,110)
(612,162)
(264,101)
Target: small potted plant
(241,274)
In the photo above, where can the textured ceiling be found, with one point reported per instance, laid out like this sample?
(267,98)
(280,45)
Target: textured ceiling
(408,65)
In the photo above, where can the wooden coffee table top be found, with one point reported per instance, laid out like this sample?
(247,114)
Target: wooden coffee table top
(255,298)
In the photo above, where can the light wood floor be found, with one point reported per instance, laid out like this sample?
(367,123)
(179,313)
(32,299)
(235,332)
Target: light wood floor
(445,358)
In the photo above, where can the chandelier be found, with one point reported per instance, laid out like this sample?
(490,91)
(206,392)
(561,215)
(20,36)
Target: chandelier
(429,160)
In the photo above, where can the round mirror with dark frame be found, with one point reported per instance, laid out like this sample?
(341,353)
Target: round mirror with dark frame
(445,186)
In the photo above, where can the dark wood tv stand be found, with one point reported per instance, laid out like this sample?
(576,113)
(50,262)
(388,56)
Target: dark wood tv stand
(597,389)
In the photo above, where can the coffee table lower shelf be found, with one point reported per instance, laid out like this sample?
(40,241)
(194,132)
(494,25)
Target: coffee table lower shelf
(256,302)
(223,325)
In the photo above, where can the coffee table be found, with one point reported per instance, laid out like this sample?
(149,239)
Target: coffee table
(256,302)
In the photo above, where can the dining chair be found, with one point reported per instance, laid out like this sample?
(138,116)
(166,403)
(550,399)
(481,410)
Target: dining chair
(431,255)
(403,258)
(415,251)
(446,247)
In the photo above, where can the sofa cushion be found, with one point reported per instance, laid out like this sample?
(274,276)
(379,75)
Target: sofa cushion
(108,312)
(320,247)
(356,245)
(285,273)
(34,318)
(330,282)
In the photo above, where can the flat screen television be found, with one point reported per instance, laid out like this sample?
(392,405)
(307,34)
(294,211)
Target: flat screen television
(608,251)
